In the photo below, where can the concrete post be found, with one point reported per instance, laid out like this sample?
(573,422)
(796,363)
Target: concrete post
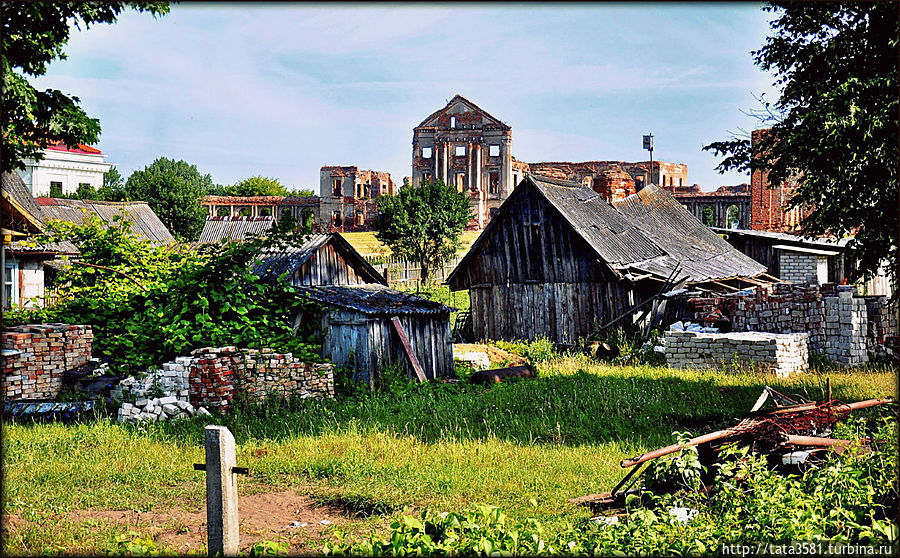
(221,493)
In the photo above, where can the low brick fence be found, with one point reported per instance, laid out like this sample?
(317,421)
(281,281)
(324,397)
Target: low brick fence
(36,356)
(212,377)
(777,353)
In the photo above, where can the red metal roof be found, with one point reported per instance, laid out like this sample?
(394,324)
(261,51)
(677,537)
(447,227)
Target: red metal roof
(81,148)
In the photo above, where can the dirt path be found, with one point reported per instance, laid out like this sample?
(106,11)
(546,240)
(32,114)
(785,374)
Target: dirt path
(265,516)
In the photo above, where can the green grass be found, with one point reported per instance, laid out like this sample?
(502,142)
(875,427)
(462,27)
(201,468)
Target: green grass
(551,438)
(366,244)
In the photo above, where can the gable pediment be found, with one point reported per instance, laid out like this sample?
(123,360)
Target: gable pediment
(466,113)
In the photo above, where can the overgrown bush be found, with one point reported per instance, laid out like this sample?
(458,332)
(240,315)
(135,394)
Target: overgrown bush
(147,304)
(535,352)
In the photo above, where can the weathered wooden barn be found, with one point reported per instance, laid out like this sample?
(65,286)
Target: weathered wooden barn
(358,322)
(559,261)
(362,333)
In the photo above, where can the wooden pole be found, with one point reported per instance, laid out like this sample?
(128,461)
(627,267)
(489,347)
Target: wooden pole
(221,492)
(407,348)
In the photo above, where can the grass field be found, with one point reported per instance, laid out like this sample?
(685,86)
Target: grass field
(368,457)
(367,245)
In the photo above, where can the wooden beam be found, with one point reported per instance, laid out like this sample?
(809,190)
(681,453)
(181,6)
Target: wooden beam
(404,340)
(734,289)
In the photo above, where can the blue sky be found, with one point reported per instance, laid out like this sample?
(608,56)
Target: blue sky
(282,89)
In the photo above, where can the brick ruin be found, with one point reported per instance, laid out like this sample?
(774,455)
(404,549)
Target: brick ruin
(347,201)
(36,356)
(776,353)
(845,327)
(719,203)
(768,203)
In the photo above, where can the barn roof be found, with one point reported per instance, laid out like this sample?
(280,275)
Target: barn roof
(288,259)
(646,233)
(16,194)
(234,228)
(374,300)
(143,220)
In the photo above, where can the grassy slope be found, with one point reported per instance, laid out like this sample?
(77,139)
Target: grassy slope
(367,245)
(551,438)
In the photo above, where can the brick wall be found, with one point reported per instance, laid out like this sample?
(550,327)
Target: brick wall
(835,319)
(777,353)
(36,356)
(218,374)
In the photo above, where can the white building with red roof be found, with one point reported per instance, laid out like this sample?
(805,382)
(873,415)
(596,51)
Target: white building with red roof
(63,169)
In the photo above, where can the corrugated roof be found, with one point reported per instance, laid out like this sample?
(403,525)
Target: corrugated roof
(786,237)
(374,300)
(143,220)
(234,228)
(289,259)
(16,193)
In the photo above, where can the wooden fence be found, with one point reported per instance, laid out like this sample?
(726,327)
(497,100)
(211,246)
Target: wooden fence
(406,273)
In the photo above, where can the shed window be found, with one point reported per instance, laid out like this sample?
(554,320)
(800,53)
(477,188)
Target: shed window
(460,151)
(426,153)
(494,150)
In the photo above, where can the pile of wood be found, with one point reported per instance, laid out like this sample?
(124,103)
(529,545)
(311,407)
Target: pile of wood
(790,434)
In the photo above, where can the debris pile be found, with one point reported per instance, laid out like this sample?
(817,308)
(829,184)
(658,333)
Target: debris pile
(792,434)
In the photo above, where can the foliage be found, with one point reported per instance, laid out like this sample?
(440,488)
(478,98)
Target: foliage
(681,471)
(834,126)
(34,34)
(255,186)
(173,190)
(147,304)
(268,548)
(305,193)
(133,544)
(423,224)
(113,188)
(849,499)
(631,347)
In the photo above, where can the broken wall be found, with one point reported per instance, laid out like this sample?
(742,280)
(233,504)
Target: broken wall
(36,356)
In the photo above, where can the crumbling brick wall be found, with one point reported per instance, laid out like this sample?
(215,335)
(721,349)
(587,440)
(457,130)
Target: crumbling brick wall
(217,375)
(833,316)
(36,356)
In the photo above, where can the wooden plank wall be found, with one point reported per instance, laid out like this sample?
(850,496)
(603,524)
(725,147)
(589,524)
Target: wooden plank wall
(534,277)
(562,312)
(326,267)
(366,344)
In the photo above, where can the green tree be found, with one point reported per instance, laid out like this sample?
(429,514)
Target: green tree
(305,193)
(423,224)
(834,126)
(257,186)
(173,190)
(113,188)
(34,34)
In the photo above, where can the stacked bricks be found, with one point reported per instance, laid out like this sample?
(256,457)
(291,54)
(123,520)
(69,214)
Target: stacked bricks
(36,356)
(795,266)
(218,374)
(212,377)
(162,394)
(882,318)
(264,374)
(846,327)
(776,353)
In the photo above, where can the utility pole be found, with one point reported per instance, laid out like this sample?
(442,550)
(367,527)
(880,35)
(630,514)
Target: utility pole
(648,144)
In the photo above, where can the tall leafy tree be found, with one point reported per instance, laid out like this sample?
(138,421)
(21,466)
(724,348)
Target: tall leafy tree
(423,224)
(173,190)
(34,34)
(835,125)
(257,186)
(113,188)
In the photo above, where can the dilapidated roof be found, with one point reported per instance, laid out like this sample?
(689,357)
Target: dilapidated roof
(646,233)
(290,258)
(460,99)
(234,228)
(373,300)
(144,221)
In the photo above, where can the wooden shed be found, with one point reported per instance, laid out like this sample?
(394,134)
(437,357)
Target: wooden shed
(323,259)
(559,261)
(368,326)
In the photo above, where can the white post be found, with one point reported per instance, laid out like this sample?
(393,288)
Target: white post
(221,492)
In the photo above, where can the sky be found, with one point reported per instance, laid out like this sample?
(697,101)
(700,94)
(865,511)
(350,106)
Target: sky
(282,89)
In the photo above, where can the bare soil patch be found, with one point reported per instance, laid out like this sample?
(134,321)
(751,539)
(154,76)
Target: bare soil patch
(495,355)
(264,516)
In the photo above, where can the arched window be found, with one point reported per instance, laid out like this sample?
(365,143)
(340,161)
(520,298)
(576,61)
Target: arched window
(733,217)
